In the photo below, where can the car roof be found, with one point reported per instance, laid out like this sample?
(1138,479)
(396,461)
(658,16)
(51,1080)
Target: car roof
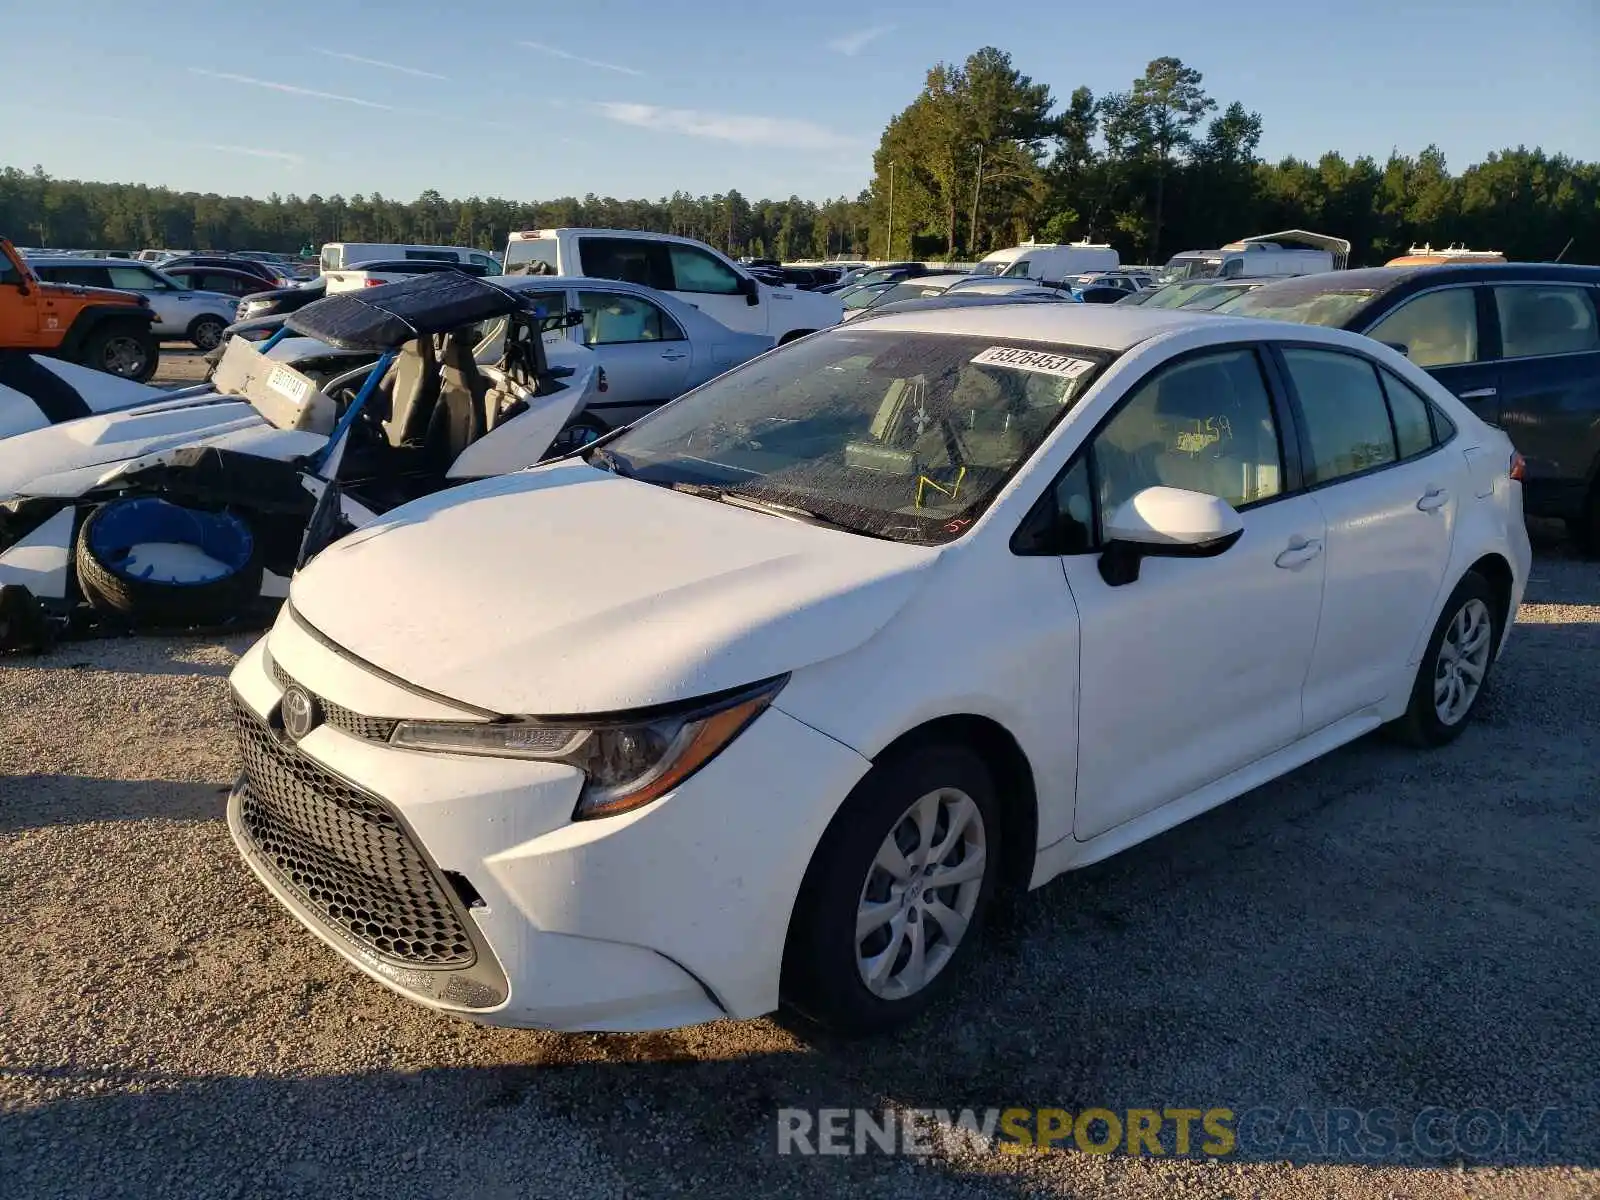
(78,260)
(1379,280)
(1111,327)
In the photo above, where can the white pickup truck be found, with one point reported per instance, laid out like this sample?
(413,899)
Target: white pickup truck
(682,267)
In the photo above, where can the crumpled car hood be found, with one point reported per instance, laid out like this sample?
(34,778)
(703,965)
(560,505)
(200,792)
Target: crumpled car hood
(567,590)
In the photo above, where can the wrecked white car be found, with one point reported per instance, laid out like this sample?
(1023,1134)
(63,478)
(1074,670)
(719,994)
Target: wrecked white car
(195,508)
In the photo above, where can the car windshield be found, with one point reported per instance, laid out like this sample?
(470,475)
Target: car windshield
(910,290)
(905,436)
(864,294)
(990,268)
(1176,295)
(1182,268)
(1323,307)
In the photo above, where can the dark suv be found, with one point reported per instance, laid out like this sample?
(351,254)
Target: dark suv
(1519,343)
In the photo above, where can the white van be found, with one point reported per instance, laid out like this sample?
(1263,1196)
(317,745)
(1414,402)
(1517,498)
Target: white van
(338,256)
(1265,256)
(690,270)
(1051,261)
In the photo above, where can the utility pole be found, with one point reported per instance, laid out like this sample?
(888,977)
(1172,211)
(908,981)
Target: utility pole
(977,189)
(888,250)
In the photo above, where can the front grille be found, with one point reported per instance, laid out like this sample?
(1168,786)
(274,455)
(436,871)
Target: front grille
(376,729)
(344,854)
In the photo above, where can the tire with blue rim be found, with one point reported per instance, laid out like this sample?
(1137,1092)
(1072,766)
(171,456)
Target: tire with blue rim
(119,533)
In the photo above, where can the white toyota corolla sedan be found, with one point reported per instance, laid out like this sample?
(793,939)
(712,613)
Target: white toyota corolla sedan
(763,698)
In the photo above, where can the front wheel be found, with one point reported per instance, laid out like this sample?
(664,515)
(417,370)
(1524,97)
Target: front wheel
(125,351)
(206,332)
(1455,667)
(896,893)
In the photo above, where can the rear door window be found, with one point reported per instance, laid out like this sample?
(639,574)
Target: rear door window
(81,276)
(1438,329)
(1538,319)
(632,260)
(1344,412)
(137,279)
(612,319)
(1413,424)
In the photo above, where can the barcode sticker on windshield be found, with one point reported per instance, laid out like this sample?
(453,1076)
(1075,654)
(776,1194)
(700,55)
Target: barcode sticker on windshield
(287,383)
(1063,365)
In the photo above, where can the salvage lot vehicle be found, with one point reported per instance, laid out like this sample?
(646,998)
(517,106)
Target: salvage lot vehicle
(194,316)
(36,391)
(271,464)
(103,328)
(928,286)
(689,270)
(810,663)
(652,346)
(1518,344)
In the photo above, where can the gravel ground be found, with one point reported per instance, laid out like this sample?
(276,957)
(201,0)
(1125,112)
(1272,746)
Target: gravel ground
(1377,929)
(181,365)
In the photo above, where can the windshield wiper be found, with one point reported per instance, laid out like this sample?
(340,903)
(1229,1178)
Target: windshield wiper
(792,512)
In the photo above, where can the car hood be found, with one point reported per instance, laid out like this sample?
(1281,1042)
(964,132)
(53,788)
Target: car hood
(567,590)
(116,436)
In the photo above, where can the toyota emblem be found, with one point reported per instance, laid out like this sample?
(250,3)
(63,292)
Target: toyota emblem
(300,713)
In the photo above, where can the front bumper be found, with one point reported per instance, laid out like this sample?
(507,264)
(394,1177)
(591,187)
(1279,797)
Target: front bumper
(670,915)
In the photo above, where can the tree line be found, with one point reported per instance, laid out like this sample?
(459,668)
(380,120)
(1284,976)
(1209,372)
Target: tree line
(982,158)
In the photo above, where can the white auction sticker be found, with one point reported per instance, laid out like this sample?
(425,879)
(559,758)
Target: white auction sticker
(287,383)
(1063,365)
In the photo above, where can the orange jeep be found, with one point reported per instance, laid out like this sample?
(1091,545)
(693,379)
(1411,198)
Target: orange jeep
(98,327)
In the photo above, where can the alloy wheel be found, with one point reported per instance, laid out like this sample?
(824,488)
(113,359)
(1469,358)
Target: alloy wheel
(124,356)
(920,893)
(1463,662)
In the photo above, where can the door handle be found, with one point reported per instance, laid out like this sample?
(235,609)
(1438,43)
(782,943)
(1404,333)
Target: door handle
(1432,499)
(674,355)
(1478,394)
(1299,553)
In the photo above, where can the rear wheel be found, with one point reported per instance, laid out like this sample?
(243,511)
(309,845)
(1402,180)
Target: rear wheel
(1455,667)
(123,350)
(206,332)
(896,893)
(576,434)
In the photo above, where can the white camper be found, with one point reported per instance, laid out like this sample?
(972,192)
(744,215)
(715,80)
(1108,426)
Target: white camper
(1051,261)
(1266,256)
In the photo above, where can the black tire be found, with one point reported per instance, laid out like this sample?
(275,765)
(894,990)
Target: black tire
(145,603)
(206,332)
(822,977)
(794,335)
(1422,724)
(123,349)
(1585,527)
(576,434)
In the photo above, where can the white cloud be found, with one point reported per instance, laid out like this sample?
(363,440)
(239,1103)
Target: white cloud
(290,89)
(283,156)
(852,44)
(779,132)
(378,62)
(542,48)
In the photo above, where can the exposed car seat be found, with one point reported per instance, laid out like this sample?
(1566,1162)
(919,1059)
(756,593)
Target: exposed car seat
(460,416)
(413,392)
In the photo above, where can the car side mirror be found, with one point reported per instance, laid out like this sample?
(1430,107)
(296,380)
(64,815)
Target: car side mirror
(751,290)
(1163,522)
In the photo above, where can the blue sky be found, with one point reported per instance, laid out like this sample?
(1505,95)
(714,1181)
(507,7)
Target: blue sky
(533,99)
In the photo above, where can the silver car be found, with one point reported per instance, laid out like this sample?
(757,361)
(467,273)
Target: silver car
(653,347)
(194,316)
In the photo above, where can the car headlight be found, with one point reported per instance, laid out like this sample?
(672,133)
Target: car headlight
(629,760)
